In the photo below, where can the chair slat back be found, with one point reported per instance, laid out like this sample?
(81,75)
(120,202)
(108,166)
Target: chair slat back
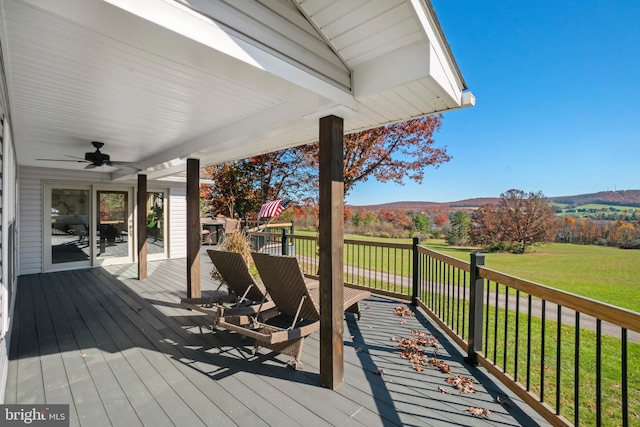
(285,282)
(235,272)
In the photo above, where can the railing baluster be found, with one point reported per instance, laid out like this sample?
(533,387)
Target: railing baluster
(506,328)
(517,346)
(464,299)
(558,356)
(458,307)
(576,375)
(598,372)
(448,321)
(486,320)
(495,326)
(529,342)
(542,340)
(625,385)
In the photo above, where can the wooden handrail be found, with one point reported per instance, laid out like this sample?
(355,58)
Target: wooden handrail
(455,262)
(609,313)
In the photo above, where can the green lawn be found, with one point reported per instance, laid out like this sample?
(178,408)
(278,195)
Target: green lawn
(602,273)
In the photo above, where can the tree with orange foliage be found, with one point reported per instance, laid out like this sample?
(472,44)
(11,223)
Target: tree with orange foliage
(518,221)
(440,220)
(388,153)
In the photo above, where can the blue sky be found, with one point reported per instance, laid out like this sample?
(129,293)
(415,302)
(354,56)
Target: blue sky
(557,86)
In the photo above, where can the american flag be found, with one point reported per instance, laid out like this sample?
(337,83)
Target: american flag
(273,209)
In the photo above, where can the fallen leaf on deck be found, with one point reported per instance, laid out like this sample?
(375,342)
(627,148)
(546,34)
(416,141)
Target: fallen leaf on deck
(379,372)
(358,349)
(367,306)
(503,402)
(442,389)
(479,412)
(83,355)
(417,368)
(462,384)
(402,311)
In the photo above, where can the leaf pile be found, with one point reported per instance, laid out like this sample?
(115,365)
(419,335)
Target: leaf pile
(414,348)
(462,384)
(403,311)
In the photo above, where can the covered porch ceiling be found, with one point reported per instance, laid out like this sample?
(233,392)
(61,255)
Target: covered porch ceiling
(160,81)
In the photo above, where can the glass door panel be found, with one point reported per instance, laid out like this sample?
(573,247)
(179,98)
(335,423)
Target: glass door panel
(155,224)
(112,230)
(70,228)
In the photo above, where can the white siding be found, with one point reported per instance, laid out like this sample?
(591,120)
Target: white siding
(31,209)
(178,222)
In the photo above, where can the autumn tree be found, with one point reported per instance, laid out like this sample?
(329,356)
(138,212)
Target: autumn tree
(388,153)
(241,187)
(440,220)
(518,221)
(234,192)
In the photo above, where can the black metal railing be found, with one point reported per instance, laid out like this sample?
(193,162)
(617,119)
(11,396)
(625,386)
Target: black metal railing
(574,360)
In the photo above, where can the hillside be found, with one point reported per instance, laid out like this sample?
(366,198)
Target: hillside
(621,197)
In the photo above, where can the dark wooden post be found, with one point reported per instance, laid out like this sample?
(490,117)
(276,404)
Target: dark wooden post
(331,241)
(284,242)
(141,226)
(476,292)
(194,233)
(416,271)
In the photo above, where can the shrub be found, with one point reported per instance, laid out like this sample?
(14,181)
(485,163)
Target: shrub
(634,244)
(239,243)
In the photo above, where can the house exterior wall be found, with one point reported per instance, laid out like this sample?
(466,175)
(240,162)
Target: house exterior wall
(178,222)
(31,192)
(8,252)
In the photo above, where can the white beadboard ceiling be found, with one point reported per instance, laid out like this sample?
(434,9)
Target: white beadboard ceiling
(159,81)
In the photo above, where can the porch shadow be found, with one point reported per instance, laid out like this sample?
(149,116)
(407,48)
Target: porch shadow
(125,350)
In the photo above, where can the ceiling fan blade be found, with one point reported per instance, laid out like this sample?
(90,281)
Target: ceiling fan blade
(90,166)
(76,157)
(130,165)
(61,160)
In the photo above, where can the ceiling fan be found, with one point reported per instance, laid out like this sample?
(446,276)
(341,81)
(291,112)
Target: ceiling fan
(96,159)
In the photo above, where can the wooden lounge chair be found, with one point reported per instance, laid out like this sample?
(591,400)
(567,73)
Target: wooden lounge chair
(296,302)
(245,298)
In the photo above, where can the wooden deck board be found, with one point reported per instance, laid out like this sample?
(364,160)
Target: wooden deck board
(151,362)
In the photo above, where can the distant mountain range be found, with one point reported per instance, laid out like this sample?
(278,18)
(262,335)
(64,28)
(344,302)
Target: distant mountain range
(621,198)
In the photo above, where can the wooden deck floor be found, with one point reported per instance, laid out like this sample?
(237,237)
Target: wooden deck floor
(122,352)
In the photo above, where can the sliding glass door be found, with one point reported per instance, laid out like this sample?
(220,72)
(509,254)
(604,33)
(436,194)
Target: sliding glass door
(86,226)
(156,225)
(67,227)
(114,226)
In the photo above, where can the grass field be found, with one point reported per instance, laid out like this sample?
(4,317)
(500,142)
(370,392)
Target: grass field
(602,273)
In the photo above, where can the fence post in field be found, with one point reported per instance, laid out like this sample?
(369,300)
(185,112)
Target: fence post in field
(416,270)
(476,285)
(285,249)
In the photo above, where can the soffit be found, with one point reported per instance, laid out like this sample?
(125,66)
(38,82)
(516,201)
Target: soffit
(159,81)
